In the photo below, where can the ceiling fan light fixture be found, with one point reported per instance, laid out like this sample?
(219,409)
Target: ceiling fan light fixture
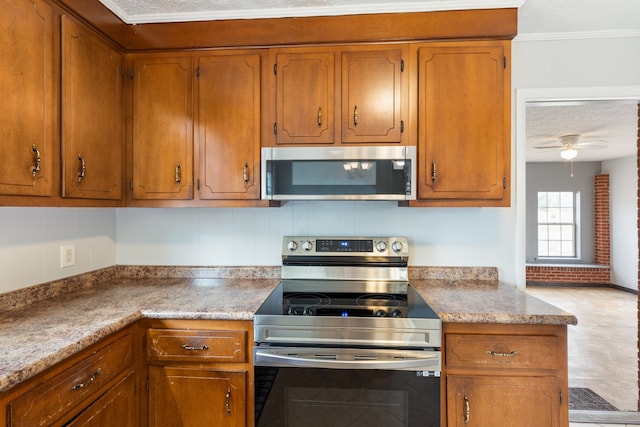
(568,153)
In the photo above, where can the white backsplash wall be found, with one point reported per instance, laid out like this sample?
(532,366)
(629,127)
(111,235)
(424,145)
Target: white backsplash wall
(30,240)
(253,236)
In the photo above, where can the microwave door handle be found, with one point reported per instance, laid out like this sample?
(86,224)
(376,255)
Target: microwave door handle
(428,362)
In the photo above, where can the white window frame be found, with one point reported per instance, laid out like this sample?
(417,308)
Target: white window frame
(557,225)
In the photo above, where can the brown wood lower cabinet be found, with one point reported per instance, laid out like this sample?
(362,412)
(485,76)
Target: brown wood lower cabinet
(491,401)
(187,396)
(95,387)
(117,407)
(199,373)
(505,375)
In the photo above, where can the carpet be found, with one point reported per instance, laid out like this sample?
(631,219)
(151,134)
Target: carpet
(585,399)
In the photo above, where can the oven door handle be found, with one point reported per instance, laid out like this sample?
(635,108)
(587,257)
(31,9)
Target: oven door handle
(348,359)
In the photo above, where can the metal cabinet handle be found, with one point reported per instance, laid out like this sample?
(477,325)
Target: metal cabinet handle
(433,171)
(88,382)
(227,405)
(82,168)
(36,160)
(355,115)
(467,410)
(194,348)
(510,354)
(319,116)
(245,172)
(178,174)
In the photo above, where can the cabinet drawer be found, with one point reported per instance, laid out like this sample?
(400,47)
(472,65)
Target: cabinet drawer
(502,351)
(197,345)
(47,402)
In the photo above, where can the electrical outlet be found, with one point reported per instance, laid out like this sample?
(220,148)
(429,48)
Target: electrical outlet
(67,256)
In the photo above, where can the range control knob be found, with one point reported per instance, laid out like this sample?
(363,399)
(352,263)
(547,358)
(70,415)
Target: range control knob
(380,313)
(397,246)
(396,313)
(307,245)
(292,245)
(381,246)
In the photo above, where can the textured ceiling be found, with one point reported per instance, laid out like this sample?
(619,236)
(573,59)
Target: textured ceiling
(146,11)
(612,124)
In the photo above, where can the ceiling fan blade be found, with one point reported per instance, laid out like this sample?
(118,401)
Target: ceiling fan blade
(590,145)
(548,147)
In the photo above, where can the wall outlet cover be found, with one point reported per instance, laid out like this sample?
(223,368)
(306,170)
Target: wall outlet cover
(67,256)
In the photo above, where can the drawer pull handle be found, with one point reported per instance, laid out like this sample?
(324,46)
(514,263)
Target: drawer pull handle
(227,406)
(510,354)
(467,410)
(89,382)
(193,348)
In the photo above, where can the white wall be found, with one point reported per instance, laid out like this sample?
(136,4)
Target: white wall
(556,176)
(30,240)
(623,187)
(463,236)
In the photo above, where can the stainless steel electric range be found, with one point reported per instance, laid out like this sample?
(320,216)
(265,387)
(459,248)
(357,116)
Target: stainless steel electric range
(344,340)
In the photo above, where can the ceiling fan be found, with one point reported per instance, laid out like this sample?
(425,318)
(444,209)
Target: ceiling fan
(569,146)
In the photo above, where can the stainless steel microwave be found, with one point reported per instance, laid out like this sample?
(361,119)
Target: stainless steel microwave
(339,173)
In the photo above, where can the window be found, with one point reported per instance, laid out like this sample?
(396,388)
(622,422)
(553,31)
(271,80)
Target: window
(557,223)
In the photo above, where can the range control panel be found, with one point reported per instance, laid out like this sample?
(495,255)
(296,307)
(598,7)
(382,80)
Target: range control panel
(332,246)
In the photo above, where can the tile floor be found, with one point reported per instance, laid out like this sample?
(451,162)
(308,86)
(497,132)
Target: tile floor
(603,351)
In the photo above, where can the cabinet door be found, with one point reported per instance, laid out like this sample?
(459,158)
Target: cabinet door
(500,401)
(162,128)
(305,97)
(463,142)
(229,126)
(193,397)
(117,407)
(372,96)
(92,136)
(26,90)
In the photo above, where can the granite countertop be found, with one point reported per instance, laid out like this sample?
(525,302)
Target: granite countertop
(38,335)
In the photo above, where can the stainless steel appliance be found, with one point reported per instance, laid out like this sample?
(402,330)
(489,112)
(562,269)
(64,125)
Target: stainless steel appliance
(344,340)
(339,173)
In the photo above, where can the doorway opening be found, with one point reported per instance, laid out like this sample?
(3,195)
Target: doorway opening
(537,96)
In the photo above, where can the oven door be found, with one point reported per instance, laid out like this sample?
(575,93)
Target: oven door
(346,388)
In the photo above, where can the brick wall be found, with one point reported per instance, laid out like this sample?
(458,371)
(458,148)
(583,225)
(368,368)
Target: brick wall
(569,274)
(602,224)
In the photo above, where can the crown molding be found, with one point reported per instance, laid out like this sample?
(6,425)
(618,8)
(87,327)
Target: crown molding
(578,35)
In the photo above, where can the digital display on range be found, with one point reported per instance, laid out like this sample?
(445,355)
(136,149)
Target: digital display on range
(343,245)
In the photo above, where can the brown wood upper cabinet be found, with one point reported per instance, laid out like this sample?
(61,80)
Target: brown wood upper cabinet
(329,95)
(27,107)
(372,95)
(463,123)
(92,120)
(162,141)
(229,118)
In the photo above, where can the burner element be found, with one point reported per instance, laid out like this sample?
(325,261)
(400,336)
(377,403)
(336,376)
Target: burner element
(345,305)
